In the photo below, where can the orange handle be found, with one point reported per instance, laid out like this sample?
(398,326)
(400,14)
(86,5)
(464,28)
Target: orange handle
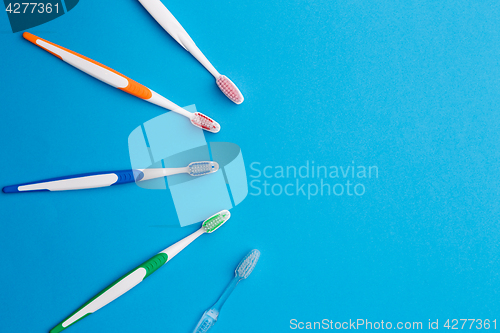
(91,67)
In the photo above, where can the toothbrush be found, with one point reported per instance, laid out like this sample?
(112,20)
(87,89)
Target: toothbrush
(104,179)
(137,275)
(163,16)
(120,81)
(243,270)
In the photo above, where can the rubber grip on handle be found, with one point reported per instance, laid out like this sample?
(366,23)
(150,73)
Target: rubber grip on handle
(15,189)
(109,294)
(75,182)
(128,176)
(88,66)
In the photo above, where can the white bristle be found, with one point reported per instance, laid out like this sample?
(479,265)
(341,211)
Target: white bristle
(247,265)
(202,168)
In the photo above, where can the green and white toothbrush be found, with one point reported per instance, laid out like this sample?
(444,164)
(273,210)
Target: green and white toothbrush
(134,277)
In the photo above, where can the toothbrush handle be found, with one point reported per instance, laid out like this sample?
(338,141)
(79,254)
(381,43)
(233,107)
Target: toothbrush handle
(229,289)
(127,282)
(210,316)
(163,16)
(91,67)
(114,290)
(78,182)
(161,172)
(106,74)
(207,320)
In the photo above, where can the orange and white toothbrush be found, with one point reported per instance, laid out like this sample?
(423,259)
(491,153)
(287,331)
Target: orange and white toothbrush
(163,16)
(120,81)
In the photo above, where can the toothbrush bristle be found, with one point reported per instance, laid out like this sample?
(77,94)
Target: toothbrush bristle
(204,122)
(229,89)
(247,265)
(214,222)
(202,168)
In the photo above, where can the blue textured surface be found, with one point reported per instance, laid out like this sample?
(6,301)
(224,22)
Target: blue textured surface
(409,87)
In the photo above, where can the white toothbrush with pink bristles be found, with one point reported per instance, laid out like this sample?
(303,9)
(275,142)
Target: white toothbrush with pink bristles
(163,16)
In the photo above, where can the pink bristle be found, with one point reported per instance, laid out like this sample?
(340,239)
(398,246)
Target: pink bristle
(205,122)
(229,89)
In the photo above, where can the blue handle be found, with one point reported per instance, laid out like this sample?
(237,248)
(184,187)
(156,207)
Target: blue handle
(124,176)
(127,176)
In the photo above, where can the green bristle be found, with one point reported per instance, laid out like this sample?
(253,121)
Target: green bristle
(215,221)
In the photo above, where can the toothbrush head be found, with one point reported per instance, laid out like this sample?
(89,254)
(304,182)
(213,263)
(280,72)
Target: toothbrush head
(247,265)
(229,89)
(214,222)
(202,168)
(204,122)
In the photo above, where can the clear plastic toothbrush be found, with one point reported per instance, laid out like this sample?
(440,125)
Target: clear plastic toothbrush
(245,267)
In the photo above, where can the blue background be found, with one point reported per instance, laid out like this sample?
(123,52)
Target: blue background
(410,87)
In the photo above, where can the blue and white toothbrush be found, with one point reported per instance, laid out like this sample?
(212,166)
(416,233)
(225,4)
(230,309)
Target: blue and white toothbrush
(243,270)
(104,179)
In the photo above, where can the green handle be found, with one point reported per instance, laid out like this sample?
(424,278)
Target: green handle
(114,290)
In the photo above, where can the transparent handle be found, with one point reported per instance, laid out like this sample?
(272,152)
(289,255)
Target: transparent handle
(207,320)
